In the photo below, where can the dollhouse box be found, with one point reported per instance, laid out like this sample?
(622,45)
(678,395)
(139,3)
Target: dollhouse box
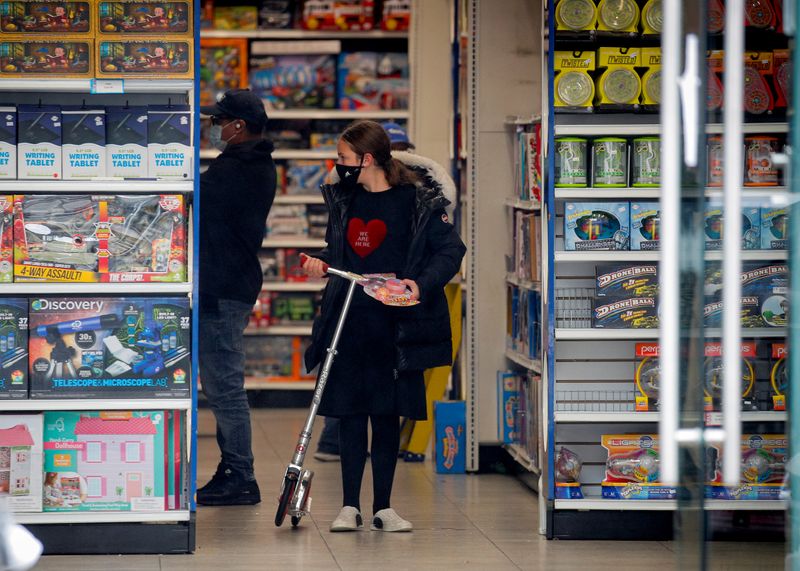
(21,461)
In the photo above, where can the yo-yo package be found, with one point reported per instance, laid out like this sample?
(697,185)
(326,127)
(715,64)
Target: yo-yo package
(758,98)
(83,134)
(781,80)
(568,475)
(144,17)
(616,17)
(647,376)
(6,239)
(651,78)
(626,280)
(625,313)
(763,471)
(778,376)
(714,370)
(596,225)
(145,58)
(8,141)
(126,143)
(46,57)
(652,20)
(619,86)
(39,142)
(13,348)
(715,90)
(35,17)
(573,86)
(645,225)
(109,347)
(714,227)
(774,228)
(632,468)
(169,142)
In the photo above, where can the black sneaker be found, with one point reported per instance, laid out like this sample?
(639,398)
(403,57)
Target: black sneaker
(217,479)
(232,491)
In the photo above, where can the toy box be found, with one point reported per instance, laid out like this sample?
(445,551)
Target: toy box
(645,225)
(782,79)
(223,66)
(6,239)
(574,87)
(771,284)
(67,57)
(8,141)
(715,89)
(750,312)
(632,468)
(647,376)
(596,225)
(646,162)
(652,20)
(39,142)
(83,142)
(33,18)
(714,227)
(450,420)
(145,58)
(619,86)
(285,79)
(13,348)
(275,14)
(144,17)
(625,280)
(81,238)
(169,142)
(774,228)
(21,461)
(235,17)
(126,143)
(338,14)
(305,176)
(625,313)
(764,458)
(104,461)
(778,376)
(507,407)
(760,169)
(396,15)
(369,81)
(714,370)
(109,347)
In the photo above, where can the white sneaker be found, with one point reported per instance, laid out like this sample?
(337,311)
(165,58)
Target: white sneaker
(349,519)
(388,520)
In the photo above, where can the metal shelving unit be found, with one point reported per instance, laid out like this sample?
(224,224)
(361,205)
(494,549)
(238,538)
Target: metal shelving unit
(53,518)
(521,457)
(42,288)
(95,404)
(589,334)
(108,185)
(525,284)
(336,114)
(282,154)
(528,205)
(654,255)
(305,34)
(640,417)
(531,364)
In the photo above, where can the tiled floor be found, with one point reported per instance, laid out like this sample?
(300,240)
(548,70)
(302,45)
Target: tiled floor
(486,522)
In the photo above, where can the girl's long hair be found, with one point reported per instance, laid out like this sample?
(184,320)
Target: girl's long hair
(369,137)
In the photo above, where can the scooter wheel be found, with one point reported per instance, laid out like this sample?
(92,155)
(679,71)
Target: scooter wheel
(283,503)
(295,520)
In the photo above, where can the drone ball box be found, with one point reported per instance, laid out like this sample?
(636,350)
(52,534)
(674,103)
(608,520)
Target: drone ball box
(626,280)
(770,284)
(145,58)
(13,348)
(596,225)
(750,313)
(625,313)
(763,471)
(109,347)
(143,17)
(46,57)
(33,18)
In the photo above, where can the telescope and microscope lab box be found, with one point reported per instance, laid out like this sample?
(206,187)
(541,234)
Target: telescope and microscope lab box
(134,347)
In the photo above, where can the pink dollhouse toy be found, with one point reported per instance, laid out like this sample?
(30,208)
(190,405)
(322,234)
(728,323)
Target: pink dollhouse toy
(15,460)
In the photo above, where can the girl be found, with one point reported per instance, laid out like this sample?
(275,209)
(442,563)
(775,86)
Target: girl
(381,222)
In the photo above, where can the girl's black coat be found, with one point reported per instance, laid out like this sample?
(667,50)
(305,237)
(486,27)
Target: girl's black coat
(423,336)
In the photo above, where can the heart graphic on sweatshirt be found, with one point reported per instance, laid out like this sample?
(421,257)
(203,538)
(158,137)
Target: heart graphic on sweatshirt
(365,237)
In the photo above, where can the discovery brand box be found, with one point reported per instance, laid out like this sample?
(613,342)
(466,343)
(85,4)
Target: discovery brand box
(126,142)
(84,142)
(8,141)
(169,142)
(13,348)
(39,142)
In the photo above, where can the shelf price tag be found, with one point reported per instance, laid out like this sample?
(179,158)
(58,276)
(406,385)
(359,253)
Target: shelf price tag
(108,86)
(713,419)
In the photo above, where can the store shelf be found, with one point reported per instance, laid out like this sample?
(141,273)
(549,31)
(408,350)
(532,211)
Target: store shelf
(335,114)
(748,128)
(655,255)
(98,185)
(268,384)
(589,334)
(280,330)
(293,242)
(668,505)
(69,288)
(591,193)
(303,34)
(96,404)
(299,199)
(293,286)
(100,517)
(523,204)
(520,455)
(634,417)
(752,255)
(521,360)
(282,154)
(626,128)
(525,284)
(517,120)
(42,85)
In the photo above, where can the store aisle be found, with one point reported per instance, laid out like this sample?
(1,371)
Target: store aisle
(461,522)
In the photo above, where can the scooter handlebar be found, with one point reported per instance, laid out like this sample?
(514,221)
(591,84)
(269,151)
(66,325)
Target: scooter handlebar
(333,271)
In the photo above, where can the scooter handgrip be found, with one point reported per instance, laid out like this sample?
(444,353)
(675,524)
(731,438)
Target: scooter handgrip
(304,257)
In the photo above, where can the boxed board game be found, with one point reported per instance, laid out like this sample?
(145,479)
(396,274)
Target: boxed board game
(596,225)
(145,58)
(86,238)
(64,57)
(39,142)
(632,468)
(288,75)
(338,14)
(626,280)
(396,15)
(169,142)
(645,225)
(29,17)
(21,461)
(104,461)
(83,134)
(126,141)
(223,66)
(13,348)
(774,228)
(369,81)
(6,239)
(144,17)
(8,141)
(134,347)
(764,458)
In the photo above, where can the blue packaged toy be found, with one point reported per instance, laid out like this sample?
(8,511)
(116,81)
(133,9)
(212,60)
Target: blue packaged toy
(39,142)
(13,348)
(714,228)
(126,144)
(169,142)
(774,228)
(596,226)
(84,142)
(632,468)
(450,419)
(645,225)
(763,471)
(508,406)
(305,176)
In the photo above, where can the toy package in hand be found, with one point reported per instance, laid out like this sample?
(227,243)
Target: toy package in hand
(144,17)
(632,468)
(29,18)
(387,289)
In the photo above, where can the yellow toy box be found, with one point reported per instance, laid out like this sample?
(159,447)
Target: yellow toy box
(619,86)
(28,18)
(145,57)
(67,57)
(574,87)
(652,18)
(143,17)
(651,78)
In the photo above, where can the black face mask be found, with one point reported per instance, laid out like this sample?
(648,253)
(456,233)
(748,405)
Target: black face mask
(348,176)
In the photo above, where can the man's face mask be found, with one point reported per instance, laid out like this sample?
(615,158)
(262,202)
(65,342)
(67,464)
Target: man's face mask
(348,175)
(215,137)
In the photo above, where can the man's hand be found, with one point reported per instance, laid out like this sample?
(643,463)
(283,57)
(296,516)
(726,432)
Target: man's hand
(314,267)
(414,289)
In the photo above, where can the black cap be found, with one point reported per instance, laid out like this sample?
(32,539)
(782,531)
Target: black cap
(238,104)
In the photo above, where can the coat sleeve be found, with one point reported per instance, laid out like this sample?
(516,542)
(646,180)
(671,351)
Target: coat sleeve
(447,251)
(325,253)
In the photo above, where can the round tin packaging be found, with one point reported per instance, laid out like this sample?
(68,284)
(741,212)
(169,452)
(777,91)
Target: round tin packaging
(610,162)
(571,162)
(715,154)
(646,162)
(759,170)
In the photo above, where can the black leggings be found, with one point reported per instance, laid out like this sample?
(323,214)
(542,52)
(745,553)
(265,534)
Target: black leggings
(353,453)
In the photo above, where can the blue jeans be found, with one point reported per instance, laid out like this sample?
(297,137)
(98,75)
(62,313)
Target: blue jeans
(222,324)
(329,439)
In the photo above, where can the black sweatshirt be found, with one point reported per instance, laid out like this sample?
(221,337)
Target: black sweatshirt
(236,193)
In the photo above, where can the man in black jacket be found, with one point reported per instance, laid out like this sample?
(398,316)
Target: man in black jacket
(236,193)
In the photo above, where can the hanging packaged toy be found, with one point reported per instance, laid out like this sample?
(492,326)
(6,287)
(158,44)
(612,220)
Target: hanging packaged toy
(6,239)
(576,16)
(715,90)
(774,228)
(596,225)
(619,86)
(761,15)
(651,78)
(568,475)
(573,86)
(652,18)
(759,168)
(645,225)
(632,468)
(714,370)
(782,78)
(618,16)
(778,376)
(715,16)
(647,376)
(35,18)
(763,469)
(757,95)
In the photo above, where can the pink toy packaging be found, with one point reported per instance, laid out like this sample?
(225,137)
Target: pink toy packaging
(21,461)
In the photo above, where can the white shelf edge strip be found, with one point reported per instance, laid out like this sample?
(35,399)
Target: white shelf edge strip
(654,255)
(335,114)
(521,457)
(301,34)
(299,199)
(84,85)
(96,404)
(667,505)
(257,384)
(523,361)
(633,417)
(292,286)
(73,288)
(98,517)
(98,185)
(610,334)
